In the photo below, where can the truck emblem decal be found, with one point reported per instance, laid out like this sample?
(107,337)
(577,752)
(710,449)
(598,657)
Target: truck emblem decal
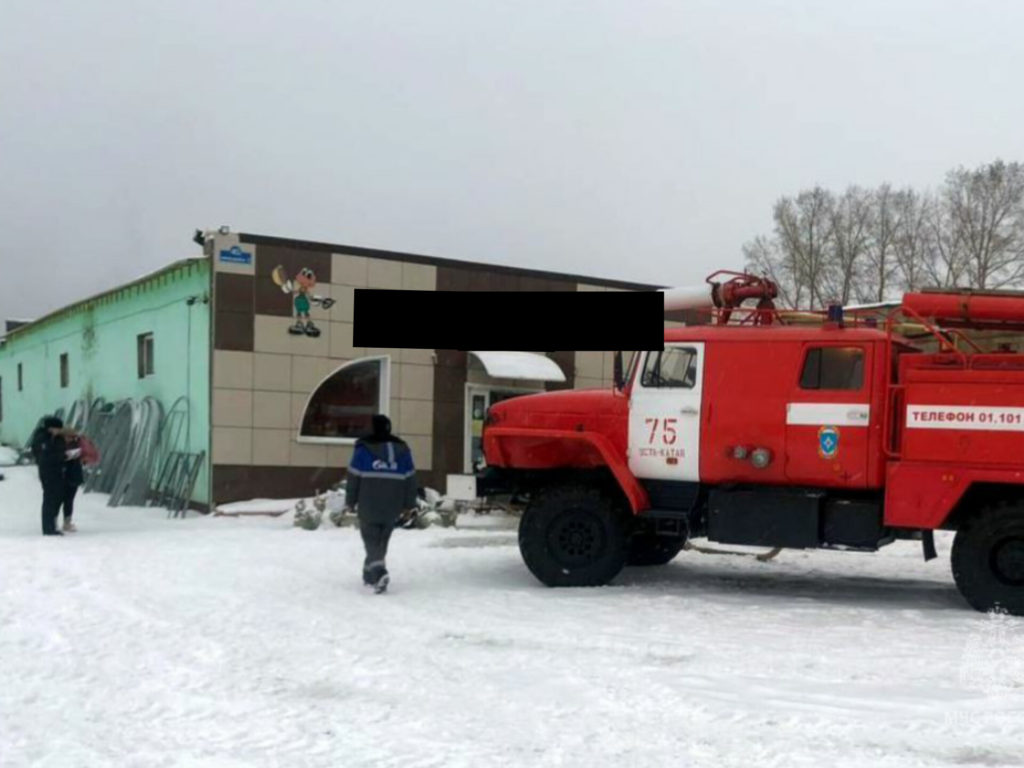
(828,442)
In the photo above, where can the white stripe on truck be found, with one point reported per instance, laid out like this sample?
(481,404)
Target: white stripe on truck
(830,414)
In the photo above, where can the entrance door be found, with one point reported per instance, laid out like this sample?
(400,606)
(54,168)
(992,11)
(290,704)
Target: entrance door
(478,399)
(664,414)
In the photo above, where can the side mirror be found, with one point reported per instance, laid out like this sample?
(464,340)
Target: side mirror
(619,376)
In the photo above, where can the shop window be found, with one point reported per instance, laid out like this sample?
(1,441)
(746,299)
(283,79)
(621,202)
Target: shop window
(833,368)
(20,381)
(144,346)
(343,404)
(65,374)
(672,367)
(1,399)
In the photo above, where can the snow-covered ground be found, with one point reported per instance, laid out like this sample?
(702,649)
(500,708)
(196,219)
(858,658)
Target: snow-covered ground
(143,641)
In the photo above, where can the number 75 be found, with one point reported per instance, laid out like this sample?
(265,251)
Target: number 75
(668,430)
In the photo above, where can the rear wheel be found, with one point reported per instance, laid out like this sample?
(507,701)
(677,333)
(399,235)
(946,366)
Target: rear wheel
(988,559)
(650,549)
(573,536)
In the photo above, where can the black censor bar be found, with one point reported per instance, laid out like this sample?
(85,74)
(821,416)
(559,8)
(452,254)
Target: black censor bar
(509,320)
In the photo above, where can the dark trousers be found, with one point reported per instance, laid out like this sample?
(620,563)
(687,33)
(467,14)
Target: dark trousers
(53,497)
(375,538)
(68,500)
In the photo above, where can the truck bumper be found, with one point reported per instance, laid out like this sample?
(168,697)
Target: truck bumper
(493,481)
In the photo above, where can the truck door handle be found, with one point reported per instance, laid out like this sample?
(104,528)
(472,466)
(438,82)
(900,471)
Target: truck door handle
(688,411)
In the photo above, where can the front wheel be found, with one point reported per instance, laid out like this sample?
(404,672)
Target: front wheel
(651,549)
(988,559)
(573,536)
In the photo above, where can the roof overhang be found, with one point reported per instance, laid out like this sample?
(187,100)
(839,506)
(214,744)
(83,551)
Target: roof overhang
(520,365)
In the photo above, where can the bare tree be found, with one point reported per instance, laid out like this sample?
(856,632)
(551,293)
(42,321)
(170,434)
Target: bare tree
(804,234)
(911,245)
(764,257)
(886,222)
(986,211)
(866,245)
(944,262)
(850,222)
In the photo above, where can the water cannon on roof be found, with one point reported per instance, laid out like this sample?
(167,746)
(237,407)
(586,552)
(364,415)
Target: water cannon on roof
(726,295)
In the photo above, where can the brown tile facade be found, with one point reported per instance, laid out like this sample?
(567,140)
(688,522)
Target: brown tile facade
(263,376)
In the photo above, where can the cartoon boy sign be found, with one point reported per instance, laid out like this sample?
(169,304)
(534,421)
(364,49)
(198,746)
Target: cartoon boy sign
(301,290)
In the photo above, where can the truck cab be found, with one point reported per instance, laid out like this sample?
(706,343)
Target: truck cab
(775,434)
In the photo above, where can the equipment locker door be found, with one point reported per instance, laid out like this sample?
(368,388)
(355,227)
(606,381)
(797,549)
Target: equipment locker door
(664,413)
(828,416)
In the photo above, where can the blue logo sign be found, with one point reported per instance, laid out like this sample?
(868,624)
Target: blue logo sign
(828,442)
(236,255)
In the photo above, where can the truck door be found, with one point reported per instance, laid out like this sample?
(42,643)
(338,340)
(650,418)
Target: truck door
(828,416)
(664,413)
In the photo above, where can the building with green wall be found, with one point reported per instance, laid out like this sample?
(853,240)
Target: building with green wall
(148,338)
(258,334)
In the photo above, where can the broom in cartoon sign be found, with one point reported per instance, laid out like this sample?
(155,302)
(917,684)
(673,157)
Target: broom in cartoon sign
(301,289)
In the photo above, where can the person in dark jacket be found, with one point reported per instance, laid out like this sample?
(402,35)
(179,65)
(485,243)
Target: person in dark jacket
(73,477)
(48,449)
(380,487)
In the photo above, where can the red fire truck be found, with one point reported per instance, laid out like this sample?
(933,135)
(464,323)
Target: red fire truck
(779,430)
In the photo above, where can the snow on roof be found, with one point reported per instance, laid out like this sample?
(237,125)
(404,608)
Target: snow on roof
(520,365)
(11,333)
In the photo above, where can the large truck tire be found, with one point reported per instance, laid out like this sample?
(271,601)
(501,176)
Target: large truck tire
(573,536)
(651,549)
(988,559)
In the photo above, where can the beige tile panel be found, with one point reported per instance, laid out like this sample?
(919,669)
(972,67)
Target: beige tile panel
(416,417)
(318,313)
(271,409)
(308,372)
(341,342)
(232,408)
(590,288)
(339,455)
(271,335)
(233,370)
(232,445)
(416,383)
(589,365)
(344,296)
(384,274)
(419,277)
(396,380)
(271,447)
(422,451)
(273,372)
(585,383)
(298,409)
(418,356)
(395,414)
(308,454)
(349,270)
(391,352)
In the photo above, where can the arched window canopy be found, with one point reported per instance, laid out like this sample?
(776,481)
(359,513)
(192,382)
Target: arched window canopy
(520,365)
(341,407)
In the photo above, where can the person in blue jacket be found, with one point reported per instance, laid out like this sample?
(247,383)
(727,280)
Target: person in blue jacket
(380,487)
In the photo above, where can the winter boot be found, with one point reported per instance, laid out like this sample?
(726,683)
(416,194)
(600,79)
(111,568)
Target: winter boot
(69,527)
(382,585)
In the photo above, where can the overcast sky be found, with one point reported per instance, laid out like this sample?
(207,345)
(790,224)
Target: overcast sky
(630,139)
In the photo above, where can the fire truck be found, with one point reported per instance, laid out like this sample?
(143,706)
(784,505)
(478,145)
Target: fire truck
(780,429)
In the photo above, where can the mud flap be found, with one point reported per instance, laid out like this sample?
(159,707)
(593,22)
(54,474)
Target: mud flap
(928,545)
